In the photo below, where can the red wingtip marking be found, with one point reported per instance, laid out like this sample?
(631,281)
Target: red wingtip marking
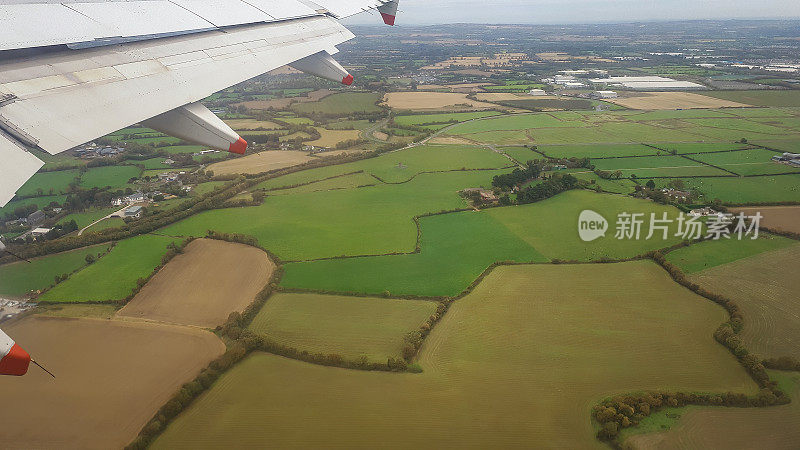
(15,362)
(388,19)
(348,80)
(238,147)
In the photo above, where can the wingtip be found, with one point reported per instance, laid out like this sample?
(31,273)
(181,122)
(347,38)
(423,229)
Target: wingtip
(388,19)
(348,80)
(238,147)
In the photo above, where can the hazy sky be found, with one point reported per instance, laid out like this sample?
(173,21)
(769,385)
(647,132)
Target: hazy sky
(584,11)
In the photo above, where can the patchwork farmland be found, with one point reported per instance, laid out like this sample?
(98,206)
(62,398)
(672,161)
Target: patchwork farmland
(402,283)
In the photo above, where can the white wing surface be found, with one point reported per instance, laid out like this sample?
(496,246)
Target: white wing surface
(71,72)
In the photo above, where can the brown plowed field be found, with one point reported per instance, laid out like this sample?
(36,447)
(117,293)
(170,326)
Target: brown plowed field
(203,285)
(112,376)
(783,218)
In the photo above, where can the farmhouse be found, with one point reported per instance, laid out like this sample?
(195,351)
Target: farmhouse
(703,212)
(676,194)
(36,217)
(134,212)
(537,92)
(39,232)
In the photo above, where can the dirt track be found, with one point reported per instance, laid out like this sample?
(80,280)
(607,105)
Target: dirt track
(112,376)
(204,285)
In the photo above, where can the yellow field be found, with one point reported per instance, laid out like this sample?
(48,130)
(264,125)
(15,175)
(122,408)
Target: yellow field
(432,101)
(517,363)
(203,285)
(112,376)
(260,162)
(332,137)
(504,96)
(251,124)
(674,100)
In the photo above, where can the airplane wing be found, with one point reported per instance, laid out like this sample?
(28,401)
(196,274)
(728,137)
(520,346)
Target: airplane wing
(73,71)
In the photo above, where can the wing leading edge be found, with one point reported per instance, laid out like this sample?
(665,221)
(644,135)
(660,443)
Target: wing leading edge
(127,69)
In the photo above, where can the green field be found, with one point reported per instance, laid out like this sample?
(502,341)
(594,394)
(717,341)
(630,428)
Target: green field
(551,226)
(349,326)
(114,276)
(620,127)
(351,181)
(113,176)
(708,254)
(736,190)
(428,119)
(87,217)
(49,182)
(445,266)
(19,278)
(340,104)
(657,166)
(747,162)
(530,344)
(371,220)
(112,222)
(596,150)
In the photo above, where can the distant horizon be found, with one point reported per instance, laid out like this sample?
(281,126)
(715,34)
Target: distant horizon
(582,12)
(367,23)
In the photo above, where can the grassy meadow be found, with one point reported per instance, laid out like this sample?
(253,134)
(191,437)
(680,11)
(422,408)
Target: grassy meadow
(114,276)
(19,278)
(353,327)
(530,344)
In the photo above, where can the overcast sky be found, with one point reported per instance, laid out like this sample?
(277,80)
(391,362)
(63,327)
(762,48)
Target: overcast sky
(584,11)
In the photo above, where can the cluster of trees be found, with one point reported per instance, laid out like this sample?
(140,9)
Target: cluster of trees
(783,363)
(624,411)
(554,185)
(349,143)
(606,175)
(508,181)
(414,339)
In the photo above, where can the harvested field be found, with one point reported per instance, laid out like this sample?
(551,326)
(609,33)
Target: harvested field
(765,287)
(203,285)
(349,326)
(505,96)
(733,428)
(782,218)
(674,100)
(432,100)
(251,124)
(332,137)
(517,363)
(260,162)
(112,377)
